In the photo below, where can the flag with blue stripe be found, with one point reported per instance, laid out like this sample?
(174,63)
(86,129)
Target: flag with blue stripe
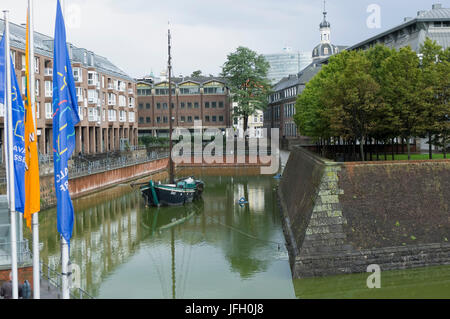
(65,117)
(18,115)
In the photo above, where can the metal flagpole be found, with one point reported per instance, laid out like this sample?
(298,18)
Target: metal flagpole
(32,101)
(10,164)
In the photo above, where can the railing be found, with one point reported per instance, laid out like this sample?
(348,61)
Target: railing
(23,252)
(92,167)
(54,279)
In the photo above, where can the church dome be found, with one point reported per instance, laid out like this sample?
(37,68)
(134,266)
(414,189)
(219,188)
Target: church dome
(325,23)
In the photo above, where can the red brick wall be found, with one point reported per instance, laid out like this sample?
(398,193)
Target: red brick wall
(25,273)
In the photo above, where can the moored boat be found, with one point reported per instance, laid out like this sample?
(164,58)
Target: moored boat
(183,191)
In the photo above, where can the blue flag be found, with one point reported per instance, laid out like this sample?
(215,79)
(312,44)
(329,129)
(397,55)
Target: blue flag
(65,117)
(18,113)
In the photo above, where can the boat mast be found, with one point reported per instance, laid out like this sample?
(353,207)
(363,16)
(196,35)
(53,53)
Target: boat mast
(171,175)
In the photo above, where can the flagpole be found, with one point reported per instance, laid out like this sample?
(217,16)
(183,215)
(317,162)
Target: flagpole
(32,103)
(10,164)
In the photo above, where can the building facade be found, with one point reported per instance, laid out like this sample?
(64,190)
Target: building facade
(285,63)
(106,97)
(193,99)
(281,105)
(255,124)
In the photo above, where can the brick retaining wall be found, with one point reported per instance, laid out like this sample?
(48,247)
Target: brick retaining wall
(342,217)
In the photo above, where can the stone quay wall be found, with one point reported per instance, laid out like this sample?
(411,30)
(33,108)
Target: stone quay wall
(342,217)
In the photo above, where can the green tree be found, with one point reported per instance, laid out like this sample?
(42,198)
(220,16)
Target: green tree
(246,72)
(442,105)
(383,119)
(352,99)
(431,52)
(402,91)
(196,74)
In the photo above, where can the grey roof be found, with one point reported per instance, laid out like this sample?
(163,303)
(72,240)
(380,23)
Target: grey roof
(43,45)
(437,13)
(200,80)
(301,78)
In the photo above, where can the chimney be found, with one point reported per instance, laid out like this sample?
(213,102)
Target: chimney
(436,6)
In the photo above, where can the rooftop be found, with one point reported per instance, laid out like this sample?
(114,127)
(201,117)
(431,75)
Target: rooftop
(43,45)
(437,13)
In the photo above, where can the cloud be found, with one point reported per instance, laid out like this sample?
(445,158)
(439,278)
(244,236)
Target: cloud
(133,34)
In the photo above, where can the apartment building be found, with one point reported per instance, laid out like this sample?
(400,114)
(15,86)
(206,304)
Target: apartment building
(106,96)
(202,98)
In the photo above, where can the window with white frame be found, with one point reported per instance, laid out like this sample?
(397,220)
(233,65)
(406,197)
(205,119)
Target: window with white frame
(131,102)
(122,116)
(36,64)
(92,114)
(92,96)
(131,117)
(122,100)
(48,111)
(112,115)
(103,81)
(80,113)
(77,75)
(38,110)
(80,94)
(111,99)
(48,89)
(37,87)
(104,115)
(23,62)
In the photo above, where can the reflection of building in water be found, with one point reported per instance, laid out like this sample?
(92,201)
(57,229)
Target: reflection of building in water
(253,193)
(105,236)
(23,258)
(111,228)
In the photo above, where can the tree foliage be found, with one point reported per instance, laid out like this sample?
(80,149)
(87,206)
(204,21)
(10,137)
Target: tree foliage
(246,72)
(378,94)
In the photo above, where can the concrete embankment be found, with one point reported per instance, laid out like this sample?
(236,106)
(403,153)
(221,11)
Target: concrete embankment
(342,217)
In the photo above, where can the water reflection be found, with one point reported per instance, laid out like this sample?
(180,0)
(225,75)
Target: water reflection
(419,283)
(211,249)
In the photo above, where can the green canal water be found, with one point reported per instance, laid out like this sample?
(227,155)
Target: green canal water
(211,249)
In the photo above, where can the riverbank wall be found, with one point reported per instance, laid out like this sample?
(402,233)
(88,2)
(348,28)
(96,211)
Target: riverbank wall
(90,183)
(342,217)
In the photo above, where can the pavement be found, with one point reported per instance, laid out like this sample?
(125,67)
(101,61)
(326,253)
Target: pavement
(49,291)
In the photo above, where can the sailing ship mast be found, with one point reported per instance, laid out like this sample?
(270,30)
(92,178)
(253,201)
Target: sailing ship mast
(171,175)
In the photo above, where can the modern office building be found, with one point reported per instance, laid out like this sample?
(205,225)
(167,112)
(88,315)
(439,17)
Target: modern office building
(202,98)
(106,96)
(285,63)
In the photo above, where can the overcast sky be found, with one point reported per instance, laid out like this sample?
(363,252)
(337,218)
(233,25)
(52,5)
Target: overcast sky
(133,33)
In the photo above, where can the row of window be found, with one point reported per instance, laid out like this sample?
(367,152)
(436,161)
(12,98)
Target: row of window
(93,77)
(290,130)
(289,110)
(183,119)
(182,91)
(183,105)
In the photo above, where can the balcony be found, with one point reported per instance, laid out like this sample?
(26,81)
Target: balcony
(111,103)
(93,100)
(110,86)
(131,91)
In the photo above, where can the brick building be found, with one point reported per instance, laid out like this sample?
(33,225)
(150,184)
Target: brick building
(106,96)
(202,98)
